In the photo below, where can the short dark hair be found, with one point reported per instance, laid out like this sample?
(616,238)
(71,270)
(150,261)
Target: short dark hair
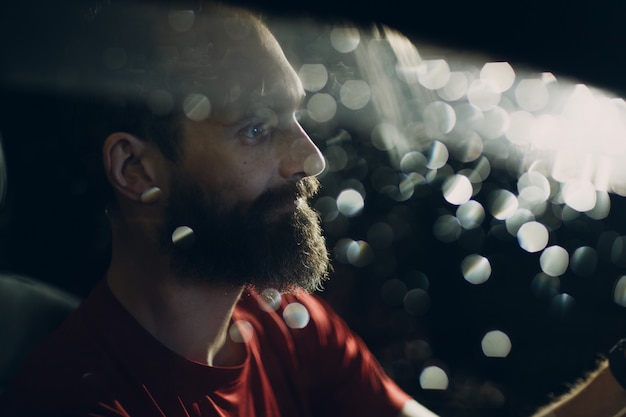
(129,67)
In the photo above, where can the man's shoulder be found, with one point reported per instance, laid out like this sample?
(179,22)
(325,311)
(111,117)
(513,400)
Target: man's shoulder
(62,366)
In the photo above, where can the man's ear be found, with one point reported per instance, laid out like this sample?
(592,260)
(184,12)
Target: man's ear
(129,164)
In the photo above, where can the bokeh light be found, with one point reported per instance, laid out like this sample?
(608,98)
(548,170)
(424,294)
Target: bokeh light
(447,228)
(457,189)
(322,107)
(434,378)
(241,331)
(345,39)
(313,76)
(533,236)
(470,214)
(496,344)
(502,204)
(350,203)
(476,269)
(270,299)
(355,94)
(416,302)
(197,107)
(619,293)
(554,260)
(296,315)
(499,74)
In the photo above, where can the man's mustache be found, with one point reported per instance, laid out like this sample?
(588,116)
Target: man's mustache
(303,189)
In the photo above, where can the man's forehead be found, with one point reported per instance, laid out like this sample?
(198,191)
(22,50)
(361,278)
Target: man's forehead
(280,95)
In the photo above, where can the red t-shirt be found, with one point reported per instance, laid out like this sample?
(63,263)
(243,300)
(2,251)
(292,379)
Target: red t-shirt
(102,362)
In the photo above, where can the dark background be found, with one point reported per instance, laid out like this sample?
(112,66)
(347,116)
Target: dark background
(52,232)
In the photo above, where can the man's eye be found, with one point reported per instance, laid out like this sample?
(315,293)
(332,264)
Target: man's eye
(255,131)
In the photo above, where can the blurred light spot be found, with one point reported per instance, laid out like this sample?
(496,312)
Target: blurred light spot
(438,155)
(533,187)
(496,344)
(469,118)
(433,377)
(455,88)
(385,136)
(350,203)
(393,292)
(457,189)
(416,302)
(296,315)
(183,237)
(313,164)
(417,350)
(495,124)
(619,293)
(439,118)
(562,305)
(322,107)
(327,207)
(270,299)
(580,195)
(531,95)
(520,127)
(545,286)
(470,149)
(618,251)
(114,58)
(406,188)
(470,214)
(547,132)
(447,228)
(502,204)
(605,243)
(499,74)
(482,168)
(337,158)
(602,207)
(413,162)
(241,331)
(476,269)
(197,107)
(554,260)
(417,279)
(483,95)
(181,20)
(517,220)
(355,94)
(433,74)
(380,235)
(345,39)
(313,76)
(584,261)
(533,236)
(359,254)
(341,249)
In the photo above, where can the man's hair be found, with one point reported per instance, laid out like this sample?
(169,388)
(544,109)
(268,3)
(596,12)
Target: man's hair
(132,67)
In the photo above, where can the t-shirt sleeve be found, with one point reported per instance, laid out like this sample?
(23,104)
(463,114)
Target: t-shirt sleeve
(344,376)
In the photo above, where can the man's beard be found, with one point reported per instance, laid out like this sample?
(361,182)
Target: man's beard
(258,246)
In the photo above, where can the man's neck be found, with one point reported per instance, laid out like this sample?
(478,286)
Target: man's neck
(190,318)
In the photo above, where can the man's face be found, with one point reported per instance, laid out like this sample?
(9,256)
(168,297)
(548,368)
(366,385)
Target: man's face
(244,179)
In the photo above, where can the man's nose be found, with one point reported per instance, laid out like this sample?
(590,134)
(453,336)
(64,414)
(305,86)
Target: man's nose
(301,158)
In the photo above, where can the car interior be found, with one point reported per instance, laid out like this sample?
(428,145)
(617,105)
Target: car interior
(472,199)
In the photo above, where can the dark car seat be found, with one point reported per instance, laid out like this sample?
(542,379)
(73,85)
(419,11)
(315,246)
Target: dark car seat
(29,311)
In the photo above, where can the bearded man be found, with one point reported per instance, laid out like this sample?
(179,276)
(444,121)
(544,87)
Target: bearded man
(205,309)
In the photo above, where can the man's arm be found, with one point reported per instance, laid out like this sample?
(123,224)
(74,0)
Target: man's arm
(598,395)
